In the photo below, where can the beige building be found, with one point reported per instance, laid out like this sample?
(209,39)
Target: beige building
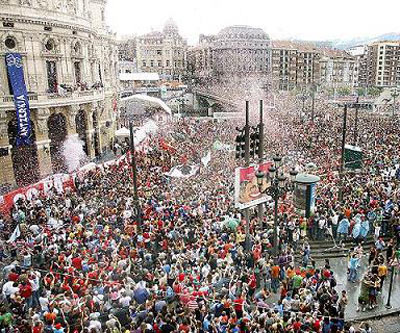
(162,52)
(337,68)
(70,66)
(295,64)
(383,63)
(234,51)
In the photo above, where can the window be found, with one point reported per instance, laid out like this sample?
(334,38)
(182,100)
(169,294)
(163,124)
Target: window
(52,76)
(159,63)
(167,63)
(159,52)
(151,63)
(144,63)
(77,70)
(49,45)
(10,43)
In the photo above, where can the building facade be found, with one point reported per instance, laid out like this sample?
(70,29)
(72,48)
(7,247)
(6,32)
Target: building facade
(70,62)
(295,64)
(383,63)
(162,52)
(235,51)
(337,68)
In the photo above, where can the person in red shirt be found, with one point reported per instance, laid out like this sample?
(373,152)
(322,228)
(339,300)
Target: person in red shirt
(25,291)
(77,263)
(12,276)
(238,306)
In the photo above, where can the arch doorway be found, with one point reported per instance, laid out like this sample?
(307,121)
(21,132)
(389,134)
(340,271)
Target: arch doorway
(24,158)
(81,127)
(57,126)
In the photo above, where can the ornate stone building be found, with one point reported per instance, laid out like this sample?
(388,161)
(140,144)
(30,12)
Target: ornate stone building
(234,52)
(162,52)
(70,69)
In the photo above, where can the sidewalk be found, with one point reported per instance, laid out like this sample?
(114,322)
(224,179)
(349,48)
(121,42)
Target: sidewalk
(339,267)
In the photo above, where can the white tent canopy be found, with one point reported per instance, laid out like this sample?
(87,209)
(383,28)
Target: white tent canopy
(122,132)
(139,77)
(151,101)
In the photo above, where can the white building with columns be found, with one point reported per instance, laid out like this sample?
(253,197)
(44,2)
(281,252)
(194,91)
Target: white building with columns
(70,63)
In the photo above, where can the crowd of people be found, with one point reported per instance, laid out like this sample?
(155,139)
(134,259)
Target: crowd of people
(87,261)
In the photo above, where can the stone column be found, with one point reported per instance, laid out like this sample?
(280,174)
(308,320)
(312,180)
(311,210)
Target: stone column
(72,111)
(6,163)
(89,132)
(43,142)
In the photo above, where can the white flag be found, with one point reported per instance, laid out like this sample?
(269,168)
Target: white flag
(206,159)
(16,233)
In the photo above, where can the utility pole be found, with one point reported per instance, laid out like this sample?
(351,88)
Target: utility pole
(342,154)
(388,305)
(394,94)
(313,88)
(247,163)
(261,154)
(134,176)
(356,123)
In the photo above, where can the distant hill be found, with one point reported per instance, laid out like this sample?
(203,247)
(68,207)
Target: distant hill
(345,44)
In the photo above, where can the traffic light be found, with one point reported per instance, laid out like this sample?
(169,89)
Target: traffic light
(254,142)
(240,145)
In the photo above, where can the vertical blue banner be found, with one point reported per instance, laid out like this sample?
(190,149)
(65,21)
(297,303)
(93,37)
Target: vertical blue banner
(16,75)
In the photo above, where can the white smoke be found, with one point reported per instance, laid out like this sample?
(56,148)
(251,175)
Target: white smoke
(73,153)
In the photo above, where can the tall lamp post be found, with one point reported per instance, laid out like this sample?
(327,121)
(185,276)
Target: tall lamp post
(388,305)
(278,186)
(137,210)
(356,122)
(394,94)
(303,98)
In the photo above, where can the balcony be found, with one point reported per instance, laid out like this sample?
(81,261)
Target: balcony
(55,100)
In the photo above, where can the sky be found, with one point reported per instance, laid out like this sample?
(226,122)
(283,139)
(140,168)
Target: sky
(281,19)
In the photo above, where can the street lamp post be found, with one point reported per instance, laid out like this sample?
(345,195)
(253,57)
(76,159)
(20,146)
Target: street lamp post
(342,153)
(134,176)
(303,98)
(278,187)
(261,153)
(388,305)
(394,94)
(356,122)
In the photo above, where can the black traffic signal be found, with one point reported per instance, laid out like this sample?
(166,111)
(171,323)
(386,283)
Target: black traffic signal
(254,141)
(240,145)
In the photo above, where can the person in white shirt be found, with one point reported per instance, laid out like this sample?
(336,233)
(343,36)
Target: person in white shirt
(125,300)
(10,288)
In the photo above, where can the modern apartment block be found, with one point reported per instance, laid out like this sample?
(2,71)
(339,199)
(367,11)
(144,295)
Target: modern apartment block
(383,64)
(295,64)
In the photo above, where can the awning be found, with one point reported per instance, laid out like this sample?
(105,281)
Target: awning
(151,101)
(122,132)
(139,77)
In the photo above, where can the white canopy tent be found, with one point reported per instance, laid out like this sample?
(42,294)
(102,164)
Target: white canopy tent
(122,133)
(139,77)
(147,101)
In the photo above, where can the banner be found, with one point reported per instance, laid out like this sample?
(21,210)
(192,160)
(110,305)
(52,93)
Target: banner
(16,75)
(247,193)
(183,171)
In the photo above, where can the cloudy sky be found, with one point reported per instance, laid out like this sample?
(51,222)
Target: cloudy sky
(305,19)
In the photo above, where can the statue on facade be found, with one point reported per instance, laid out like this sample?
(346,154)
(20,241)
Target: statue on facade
(26,2)
(43,3)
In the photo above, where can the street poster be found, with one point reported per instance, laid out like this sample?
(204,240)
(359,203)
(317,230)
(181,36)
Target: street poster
(247,193)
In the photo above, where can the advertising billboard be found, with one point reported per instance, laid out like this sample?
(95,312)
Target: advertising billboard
(247,193)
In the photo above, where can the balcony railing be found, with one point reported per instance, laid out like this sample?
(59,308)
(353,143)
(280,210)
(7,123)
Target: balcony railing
(10,98)
(77,96)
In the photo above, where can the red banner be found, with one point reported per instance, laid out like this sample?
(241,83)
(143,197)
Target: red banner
(58,183)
